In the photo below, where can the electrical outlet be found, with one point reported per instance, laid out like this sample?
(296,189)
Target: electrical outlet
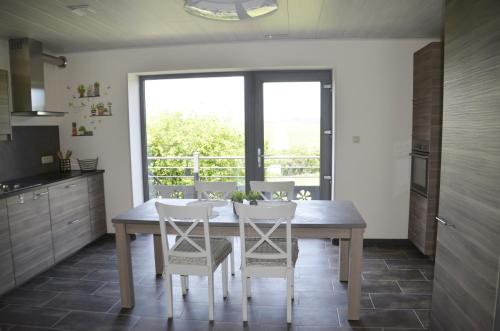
(46,159)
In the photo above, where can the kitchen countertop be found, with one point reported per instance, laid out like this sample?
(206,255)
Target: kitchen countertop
(41,180)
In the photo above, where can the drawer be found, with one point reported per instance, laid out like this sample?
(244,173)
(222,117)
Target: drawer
(68,201)
(70,236)
(6,263)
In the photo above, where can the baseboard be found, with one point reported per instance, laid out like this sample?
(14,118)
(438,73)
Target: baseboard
(382,242)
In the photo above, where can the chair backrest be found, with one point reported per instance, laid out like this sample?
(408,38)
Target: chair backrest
(215,190)
(263,220)
(174,191)
(274,190)
(190,216)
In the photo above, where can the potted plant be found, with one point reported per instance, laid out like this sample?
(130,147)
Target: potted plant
(100,109)
(237,196)
(81,90)
(253,196)
(82,130)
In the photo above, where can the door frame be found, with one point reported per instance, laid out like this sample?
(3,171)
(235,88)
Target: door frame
(326,123)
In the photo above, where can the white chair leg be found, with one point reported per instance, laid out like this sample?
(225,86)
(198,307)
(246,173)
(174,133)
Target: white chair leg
(187,282)
(292,277)
(170,301)
(249,287)
(289,295)
(184,285)
(232,258)
(244,296)
(211,297)
(224,278)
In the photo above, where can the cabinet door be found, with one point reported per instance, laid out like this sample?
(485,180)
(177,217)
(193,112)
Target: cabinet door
(6,266)
(468,248)
(97,205)
(69,211)
(29,223)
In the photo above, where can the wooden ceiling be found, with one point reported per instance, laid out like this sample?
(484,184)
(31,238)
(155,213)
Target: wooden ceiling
(136,23)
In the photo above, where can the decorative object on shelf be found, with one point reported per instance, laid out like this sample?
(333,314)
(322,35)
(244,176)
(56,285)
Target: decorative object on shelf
(88,164)
(90,91)
(100,109)
(93,110)
(96,89)
(74,131)
(109,107)
(81,131)
(81,90)
(64,160)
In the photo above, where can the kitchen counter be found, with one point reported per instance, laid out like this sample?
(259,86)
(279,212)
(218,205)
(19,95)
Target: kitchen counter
(38,181)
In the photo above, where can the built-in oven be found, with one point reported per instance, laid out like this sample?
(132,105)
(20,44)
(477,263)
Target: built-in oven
(419,167)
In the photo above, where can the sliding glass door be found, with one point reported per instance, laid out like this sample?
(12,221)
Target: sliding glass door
(244,126)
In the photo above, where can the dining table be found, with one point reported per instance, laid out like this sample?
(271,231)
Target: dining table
(321,219)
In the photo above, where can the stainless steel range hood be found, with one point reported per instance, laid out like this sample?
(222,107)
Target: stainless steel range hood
(26,67)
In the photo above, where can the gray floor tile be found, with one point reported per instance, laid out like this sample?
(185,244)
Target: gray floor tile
(34,283)
(82,302)
(30,316)
(71,285)
(27,297)
(85,321)
(401,301)
(321,300)
(382,318)
(393,275)
(408,263)
(424,316)
(380,286)
(158,324)
(65,272)
(419,287)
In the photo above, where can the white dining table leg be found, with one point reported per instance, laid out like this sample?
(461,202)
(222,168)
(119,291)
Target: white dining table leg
(354,281)
(344,259)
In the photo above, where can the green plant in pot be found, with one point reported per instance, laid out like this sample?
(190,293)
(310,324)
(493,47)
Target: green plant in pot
(81,90)
(237,196)
(253,196)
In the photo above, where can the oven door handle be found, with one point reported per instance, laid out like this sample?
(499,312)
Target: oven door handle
(419,155)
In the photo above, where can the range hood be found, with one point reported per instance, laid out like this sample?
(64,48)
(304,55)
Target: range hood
(26,67)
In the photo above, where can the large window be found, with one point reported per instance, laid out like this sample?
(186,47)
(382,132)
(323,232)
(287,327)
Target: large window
(236,127)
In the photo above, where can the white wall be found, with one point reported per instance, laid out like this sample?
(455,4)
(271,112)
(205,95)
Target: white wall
(373,81)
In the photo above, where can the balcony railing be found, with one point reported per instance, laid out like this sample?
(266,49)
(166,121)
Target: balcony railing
(182,171)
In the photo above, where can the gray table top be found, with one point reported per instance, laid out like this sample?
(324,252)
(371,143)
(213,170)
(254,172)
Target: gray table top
(309,214)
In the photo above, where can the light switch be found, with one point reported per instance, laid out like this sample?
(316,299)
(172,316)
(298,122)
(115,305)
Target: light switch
(356,139)
(46,159)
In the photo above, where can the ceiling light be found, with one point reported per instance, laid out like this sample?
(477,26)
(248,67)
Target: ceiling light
(230,10)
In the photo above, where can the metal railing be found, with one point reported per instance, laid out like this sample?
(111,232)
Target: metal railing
(175,170)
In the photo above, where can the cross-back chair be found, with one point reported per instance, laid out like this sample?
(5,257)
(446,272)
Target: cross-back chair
(264,254)
(217,193)
(274,190)
(191,255)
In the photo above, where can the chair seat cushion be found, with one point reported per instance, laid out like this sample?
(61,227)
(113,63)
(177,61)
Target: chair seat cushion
(221,248)
(265,248)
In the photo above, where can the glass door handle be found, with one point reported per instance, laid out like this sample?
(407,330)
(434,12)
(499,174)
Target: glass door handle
(259,157)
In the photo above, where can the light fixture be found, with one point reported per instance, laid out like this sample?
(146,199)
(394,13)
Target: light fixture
(81,10)
(230,10)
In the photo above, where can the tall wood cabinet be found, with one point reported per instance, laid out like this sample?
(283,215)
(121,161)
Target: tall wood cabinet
(467,266)
(6,267)
(426,144)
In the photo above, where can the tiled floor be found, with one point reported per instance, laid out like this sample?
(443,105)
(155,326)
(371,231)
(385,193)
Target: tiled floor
(82,293)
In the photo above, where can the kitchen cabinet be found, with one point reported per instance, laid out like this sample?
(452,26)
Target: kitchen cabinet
(97,205)
(6,266)
(70,218)
(5,128)
(30,231)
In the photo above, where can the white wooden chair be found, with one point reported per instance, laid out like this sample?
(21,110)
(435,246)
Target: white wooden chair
(264,255)
(274,190)
(217,193)
(191,255)
(174,191)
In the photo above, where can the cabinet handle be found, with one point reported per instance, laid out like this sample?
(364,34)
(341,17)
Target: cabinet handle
(74,221)
(444,222)
(70,185)
(20,198)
